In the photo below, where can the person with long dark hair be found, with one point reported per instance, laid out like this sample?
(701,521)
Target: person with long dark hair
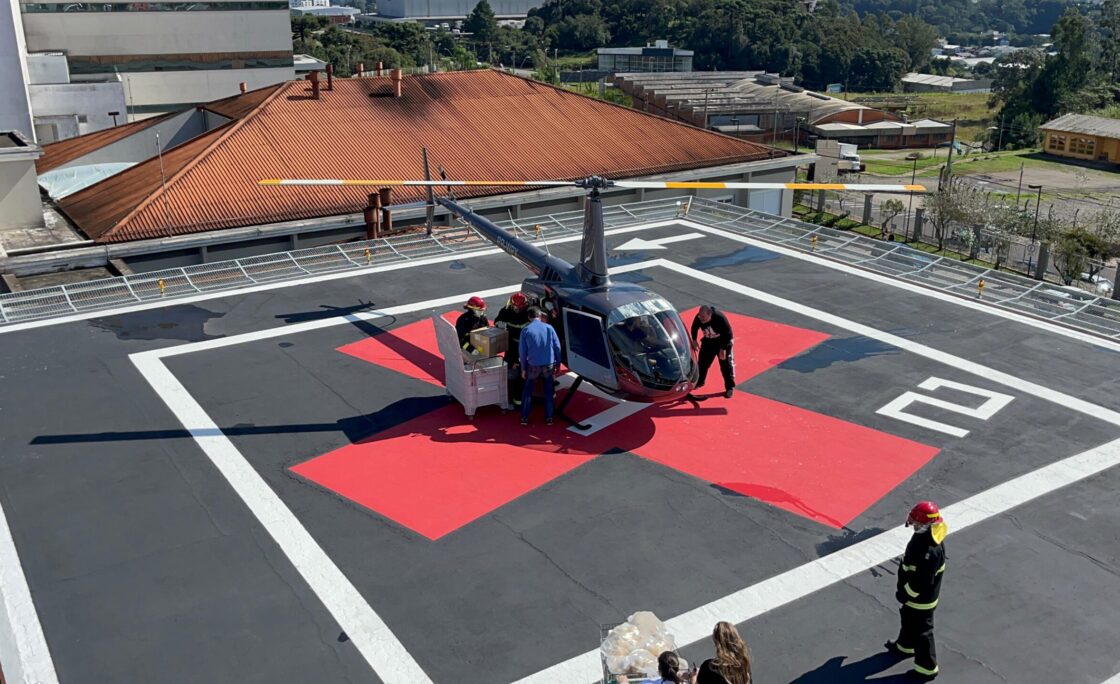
(669,667)
(732,664)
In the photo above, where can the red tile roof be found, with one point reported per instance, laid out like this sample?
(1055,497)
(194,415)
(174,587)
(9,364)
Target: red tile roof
(477,124)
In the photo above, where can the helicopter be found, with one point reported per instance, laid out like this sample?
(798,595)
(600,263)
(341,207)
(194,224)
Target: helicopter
(626,340)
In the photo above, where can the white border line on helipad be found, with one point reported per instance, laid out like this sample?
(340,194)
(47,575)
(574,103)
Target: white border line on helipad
(389,658)
(24,654)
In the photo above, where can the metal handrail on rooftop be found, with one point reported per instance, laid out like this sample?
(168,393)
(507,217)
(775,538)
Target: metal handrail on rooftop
(1078,310)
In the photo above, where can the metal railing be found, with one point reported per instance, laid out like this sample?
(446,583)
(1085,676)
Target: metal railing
(173,283)
(1071,307)
(1068,307)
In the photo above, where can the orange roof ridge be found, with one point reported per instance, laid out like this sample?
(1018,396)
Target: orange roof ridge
(62,152)
(233,126)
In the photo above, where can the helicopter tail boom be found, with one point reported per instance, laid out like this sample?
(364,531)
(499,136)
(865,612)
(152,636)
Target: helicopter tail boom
(532,257)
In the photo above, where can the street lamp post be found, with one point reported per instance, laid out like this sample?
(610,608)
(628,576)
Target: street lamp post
(1034,231)
(913,156)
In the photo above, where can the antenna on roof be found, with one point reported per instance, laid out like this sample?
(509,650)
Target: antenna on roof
(431,202)
(163,184)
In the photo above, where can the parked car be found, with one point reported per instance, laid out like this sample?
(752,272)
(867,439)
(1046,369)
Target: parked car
(1100,283)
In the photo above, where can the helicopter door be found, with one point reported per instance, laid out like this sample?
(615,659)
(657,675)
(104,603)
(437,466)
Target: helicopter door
(588,354)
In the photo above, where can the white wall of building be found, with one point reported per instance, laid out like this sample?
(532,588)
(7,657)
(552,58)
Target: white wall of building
(47,67)
(15,102)
(20,206)
(158,33)
(186,87)
(87,105)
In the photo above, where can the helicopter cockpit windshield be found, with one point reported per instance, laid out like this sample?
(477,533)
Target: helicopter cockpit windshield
(649,340)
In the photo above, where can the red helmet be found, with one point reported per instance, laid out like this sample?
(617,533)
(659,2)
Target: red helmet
(476,303)
(924,513)
(518,301)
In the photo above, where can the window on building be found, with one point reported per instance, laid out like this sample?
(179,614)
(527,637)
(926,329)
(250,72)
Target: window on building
(82,118)
(1086,146)
(1056,142)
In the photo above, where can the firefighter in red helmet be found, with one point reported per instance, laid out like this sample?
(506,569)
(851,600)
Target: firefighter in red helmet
(513,317)
(919,588)
(472,318)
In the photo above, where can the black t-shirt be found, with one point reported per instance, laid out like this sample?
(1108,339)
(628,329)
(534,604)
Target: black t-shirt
(716,332)
(710,675)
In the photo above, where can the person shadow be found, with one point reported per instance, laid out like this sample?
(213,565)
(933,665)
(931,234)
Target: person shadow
(836,671)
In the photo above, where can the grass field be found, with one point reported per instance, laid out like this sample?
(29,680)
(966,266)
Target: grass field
(879,163)
(970,109)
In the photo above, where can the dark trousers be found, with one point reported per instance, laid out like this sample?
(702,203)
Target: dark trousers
(916,636)
(709,353)
(532,374)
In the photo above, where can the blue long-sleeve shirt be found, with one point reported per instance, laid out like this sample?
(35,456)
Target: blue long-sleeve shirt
(539,345)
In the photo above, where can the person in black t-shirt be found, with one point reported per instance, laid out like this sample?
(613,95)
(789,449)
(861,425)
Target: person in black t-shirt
(716,343)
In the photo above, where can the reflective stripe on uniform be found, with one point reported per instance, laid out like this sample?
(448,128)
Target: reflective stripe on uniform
(902,649)
(910,568)
(921,670)
(940,570)
(911,592)
(922,606)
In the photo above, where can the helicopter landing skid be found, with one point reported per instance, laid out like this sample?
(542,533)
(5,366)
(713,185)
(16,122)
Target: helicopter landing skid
(564,404)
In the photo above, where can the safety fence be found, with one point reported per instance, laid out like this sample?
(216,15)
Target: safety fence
(1066,306)
(1071,307)
(169,284)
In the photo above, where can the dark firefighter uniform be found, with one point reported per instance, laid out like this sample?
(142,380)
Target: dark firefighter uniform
(918,590)
(514,316)
(472,318)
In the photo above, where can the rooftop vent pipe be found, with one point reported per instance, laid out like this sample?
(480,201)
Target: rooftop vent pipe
(398,81)
(314,76)
(380,69)
(361,69)
(244,87)
(330,77)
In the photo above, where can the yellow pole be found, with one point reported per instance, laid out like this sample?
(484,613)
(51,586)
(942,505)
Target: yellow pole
(161,286)
(369,256)
(980,289)
(814,241)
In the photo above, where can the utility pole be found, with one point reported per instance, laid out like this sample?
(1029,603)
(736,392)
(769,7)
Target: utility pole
(952,143)
(1019,192)
(999,145)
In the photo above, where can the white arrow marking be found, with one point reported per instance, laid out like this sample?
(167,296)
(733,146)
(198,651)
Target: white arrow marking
(638,244)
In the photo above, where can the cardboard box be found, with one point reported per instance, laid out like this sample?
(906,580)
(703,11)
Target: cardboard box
(490,341)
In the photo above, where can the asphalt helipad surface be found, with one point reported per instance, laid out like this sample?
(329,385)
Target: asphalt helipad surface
(273,487)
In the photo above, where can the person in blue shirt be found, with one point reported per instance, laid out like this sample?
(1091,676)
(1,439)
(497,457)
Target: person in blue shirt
(539,351)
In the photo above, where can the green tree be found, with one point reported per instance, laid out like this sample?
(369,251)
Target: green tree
(581,32)
(481,21)
(916,38)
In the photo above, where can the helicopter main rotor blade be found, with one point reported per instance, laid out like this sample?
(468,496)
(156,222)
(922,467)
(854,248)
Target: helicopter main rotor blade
(420,183)
(710,185)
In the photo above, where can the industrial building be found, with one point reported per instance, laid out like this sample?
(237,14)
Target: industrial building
(169,55)
(658,57)
(764,107)
(427,10)
(1080,136)
(932,83)
(183,187)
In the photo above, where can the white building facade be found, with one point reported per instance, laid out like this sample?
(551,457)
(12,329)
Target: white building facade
(63,109)
(168,55)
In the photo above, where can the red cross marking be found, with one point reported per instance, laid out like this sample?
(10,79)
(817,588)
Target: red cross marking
(438,472)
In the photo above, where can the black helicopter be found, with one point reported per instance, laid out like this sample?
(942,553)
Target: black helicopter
(626,340)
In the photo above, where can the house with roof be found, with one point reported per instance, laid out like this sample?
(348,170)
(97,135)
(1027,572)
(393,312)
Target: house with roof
(195,173)
(1080,136)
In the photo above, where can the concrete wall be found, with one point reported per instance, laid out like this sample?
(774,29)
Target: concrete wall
(152,89)
(141,146)
(457,9)
(15,102)
(158,33)
(77,101)
(47,67)
(20,206)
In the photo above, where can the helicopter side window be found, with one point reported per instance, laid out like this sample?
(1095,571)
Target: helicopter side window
(588,354)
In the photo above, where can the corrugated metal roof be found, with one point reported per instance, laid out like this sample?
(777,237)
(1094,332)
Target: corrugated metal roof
(478,124)
(241,105)
(64,151)
(1085,124)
